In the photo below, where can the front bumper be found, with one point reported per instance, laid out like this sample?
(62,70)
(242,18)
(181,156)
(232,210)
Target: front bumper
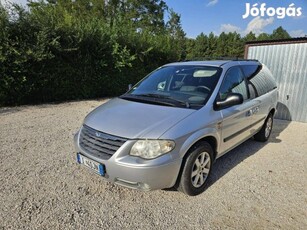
(137,173)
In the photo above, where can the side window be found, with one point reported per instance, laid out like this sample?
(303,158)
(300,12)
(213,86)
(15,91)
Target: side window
(259,80)
(251,71)
(233,83)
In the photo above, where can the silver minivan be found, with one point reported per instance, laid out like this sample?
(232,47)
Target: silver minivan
(169,128)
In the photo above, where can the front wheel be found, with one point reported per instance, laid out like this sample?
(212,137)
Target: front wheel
(265,132)
(197,169)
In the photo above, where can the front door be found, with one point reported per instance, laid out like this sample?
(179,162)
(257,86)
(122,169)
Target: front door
(236,119)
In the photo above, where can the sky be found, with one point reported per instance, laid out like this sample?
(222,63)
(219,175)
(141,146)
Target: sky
(226,16)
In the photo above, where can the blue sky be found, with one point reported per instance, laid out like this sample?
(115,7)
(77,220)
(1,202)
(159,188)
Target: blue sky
(226,15)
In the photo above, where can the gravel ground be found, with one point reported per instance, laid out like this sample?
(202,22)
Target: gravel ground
(255,186)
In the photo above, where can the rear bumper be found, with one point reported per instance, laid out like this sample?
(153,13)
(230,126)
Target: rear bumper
(135,173)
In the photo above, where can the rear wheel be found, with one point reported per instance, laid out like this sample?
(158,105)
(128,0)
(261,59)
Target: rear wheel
(265,132)
(197,169)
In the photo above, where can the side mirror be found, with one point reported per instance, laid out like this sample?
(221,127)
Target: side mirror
(231,100)
(129,86)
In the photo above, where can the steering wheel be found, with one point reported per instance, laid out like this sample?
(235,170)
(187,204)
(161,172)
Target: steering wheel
(203,89)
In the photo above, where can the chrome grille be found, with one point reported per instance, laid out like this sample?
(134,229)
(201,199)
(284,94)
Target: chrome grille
(99,144)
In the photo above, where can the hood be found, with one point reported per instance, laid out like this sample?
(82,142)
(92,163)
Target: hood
(131,119)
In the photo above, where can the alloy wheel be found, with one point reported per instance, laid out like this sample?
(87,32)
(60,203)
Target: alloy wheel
(200,170)
(268,127)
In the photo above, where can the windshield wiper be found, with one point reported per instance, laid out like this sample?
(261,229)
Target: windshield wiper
(155,95)
(142,99)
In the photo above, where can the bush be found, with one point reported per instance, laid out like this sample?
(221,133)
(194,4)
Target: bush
(48,53)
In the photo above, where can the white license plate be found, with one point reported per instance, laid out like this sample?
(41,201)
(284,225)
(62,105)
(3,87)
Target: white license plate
(93,165)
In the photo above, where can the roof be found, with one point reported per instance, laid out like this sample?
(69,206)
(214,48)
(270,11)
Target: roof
(273,42)
(216,63)
(277,42)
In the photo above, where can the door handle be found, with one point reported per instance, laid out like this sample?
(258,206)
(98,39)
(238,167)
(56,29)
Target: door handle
(249,113)
(252,111)
(256,110)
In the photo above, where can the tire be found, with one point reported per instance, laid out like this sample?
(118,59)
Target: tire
(194,175)
(265,132)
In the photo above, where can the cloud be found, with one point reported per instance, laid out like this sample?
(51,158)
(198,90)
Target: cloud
(300,17)
(256,25)
(212,2)
(227,28)
(297,33)
(20,2)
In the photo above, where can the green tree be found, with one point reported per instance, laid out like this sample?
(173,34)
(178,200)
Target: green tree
(190,48)
(250,37)
(280,33)
(222,45)
(263,36)
(211,46)
(174,26)
(201,46)
(235,45)
(177,34)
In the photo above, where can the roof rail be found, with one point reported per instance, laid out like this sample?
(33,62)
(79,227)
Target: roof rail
(242,59)
(207,58)
(220,59)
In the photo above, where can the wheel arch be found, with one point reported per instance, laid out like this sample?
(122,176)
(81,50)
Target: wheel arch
(211,139)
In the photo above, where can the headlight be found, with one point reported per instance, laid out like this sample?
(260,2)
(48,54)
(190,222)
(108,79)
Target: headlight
(150,149)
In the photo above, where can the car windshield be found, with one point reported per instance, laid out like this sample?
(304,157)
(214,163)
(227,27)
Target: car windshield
(180,86)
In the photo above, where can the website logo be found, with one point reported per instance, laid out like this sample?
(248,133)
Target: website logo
(262,10)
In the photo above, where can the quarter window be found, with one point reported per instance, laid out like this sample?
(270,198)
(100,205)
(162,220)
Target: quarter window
(233,83)
(259,79)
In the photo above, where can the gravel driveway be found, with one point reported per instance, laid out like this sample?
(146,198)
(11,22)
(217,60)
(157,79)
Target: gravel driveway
(255,186)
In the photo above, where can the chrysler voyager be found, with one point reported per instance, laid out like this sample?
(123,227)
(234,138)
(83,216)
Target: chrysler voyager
(169,128)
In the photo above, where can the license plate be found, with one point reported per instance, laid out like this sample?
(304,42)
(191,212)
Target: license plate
(93,165)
